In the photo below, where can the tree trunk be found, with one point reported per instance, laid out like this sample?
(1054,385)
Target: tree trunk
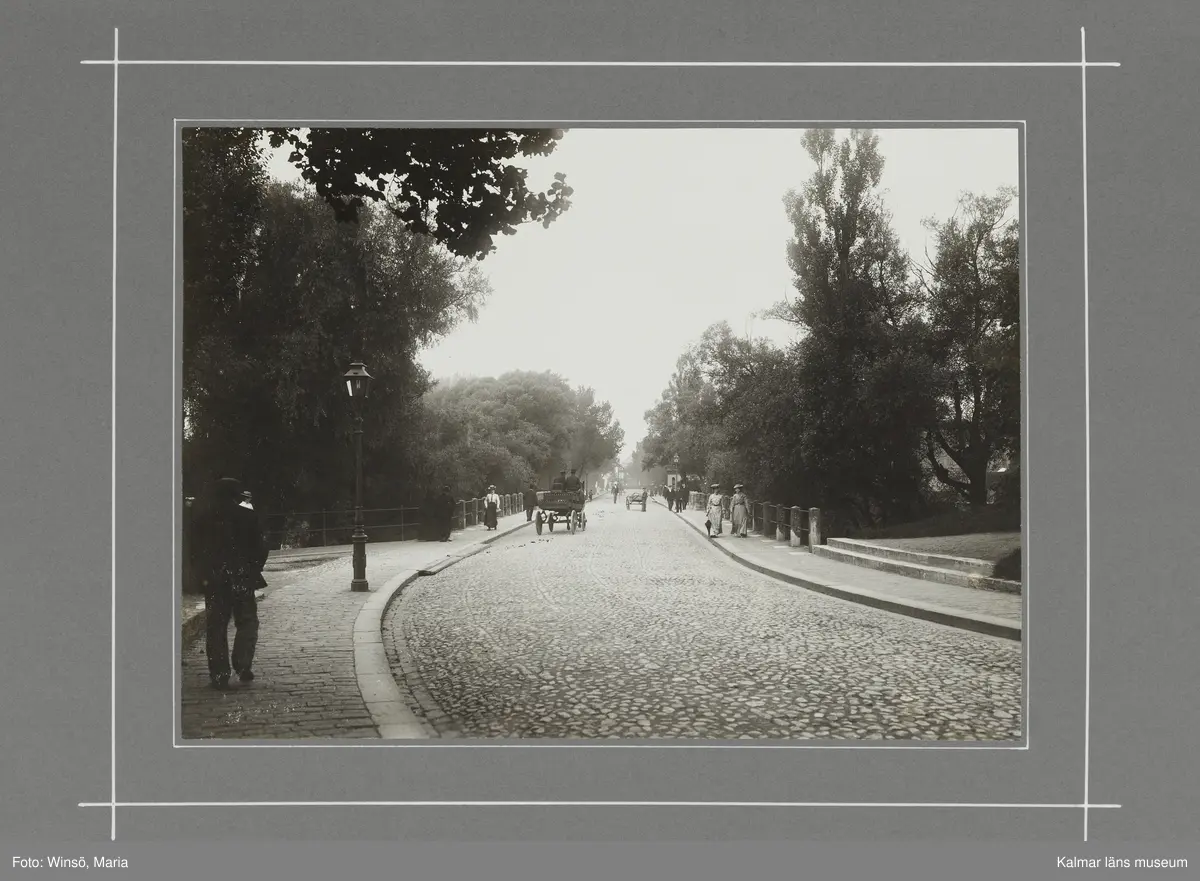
(977,495)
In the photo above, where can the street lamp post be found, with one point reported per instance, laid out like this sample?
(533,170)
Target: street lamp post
(358,383)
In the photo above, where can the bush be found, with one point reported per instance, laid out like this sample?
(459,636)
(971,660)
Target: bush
(1009,566)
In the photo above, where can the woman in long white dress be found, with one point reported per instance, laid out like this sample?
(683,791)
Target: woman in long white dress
(739,512)
(716,510)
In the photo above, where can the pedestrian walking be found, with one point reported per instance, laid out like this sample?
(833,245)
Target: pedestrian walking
(230,553)
(669,495)
(446,506)
(530,500)
(492,508)
(681,497)
(715,510)
(739,512)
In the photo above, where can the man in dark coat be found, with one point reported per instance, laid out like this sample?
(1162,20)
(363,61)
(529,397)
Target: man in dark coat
(446,507)
(572,483)
(530,498)
(669,496)
(230,555)
(560,482)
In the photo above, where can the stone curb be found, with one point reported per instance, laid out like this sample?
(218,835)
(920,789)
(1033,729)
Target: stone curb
(386,702)
(969,565)
(986,624)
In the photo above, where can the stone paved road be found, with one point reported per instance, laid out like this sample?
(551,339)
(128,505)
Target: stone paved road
(635,628)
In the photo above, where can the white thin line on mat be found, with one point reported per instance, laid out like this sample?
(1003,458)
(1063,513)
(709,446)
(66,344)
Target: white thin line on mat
(603,804)
(1087,456)
(155,62)
(113,490)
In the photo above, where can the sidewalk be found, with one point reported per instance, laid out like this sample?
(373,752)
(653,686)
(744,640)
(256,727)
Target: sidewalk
(984,611)
(308,677)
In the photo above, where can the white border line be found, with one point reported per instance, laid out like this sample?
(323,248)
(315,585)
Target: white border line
(152,62)
(1087,454)
(113,492)
(946,746)
(661,804)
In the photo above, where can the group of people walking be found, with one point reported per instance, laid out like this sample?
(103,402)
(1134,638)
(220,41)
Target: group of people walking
(738,507)
(717,508)
(676,497)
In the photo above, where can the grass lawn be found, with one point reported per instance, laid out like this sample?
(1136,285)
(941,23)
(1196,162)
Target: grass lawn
(991,534)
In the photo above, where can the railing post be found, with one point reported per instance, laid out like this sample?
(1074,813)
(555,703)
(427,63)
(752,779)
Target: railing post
(324,532)
(797,537)
(814,528)
(462,513)
(783,529)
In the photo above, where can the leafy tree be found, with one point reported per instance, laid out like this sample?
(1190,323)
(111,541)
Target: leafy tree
(678,424)
(740,393)
(973,290)
(862,379)
(456,185)
(224,182)
(314,294)
(511,429)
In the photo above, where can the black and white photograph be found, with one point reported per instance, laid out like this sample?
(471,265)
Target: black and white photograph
(601,433)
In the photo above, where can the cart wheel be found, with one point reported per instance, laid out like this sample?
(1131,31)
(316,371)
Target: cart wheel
(571,524)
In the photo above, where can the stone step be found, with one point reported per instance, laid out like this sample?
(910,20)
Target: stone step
(919,558)
(924,573)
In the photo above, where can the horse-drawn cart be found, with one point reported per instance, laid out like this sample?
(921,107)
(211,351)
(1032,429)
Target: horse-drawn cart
(561,506)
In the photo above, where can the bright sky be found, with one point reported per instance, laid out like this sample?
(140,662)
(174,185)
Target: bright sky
(669,231)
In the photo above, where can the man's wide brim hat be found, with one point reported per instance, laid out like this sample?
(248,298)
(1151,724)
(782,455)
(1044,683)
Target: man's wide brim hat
(714,486)
(737,486)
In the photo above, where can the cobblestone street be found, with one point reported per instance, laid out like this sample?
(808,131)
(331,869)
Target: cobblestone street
(635,628)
